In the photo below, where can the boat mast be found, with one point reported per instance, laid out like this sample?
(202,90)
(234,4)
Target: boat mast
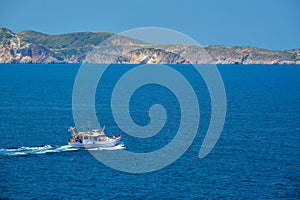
(89,127)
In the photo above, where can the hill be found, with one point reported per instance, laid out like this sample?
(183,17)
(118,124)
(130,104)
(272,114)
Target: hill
(82,47)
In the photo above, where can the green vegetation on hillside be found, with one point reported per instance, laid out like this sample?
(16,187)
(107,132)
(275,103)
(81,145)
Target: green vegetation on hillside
(36,47)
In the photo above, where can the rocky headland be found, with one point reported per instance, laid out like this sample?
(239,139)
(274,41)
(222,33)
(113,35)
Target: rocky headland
(83,47)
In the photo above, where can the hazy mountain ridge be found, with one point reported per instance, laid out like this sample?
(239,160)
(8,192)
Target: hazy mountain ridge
(82,47)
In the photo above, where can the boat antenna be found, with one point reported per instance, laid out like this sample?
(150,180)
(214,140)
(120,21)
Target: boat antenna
(103,129)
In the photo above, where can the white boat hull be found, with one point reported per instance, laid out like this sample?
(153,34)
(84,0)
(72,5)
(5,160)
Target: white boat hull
(88,145)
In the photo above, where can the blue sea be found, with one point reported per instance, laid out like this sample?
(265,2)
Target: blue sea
(257,155)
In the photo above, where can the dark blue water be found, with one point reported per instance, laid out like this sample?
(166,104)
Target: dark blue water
(257,155)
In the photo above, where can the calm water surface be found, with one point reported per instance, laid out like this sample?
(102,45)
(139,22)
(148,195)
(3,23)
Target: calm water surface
(257,155)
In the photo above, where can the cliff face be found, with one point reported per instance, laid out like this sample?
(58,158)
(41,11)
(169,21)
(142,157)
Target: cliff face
(15,50)
(252,55)
(35,47)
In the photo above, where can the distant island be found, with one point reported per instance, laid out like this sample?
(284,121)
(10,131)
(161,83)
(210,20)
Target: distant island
(36,47)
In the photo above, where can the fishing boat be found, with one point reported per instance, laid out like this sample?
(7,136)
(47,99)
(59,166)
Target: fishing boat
(93,138)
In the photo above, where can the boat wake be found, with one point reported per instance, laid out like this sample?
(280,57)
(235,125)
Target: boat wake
(35,150)
(49,149)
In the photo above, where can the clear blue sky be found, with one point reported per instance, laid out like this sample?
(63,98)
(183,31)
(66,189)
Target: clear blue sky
(272,24)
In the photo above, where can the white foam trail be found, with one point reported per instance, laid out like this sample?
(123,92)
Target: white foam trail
(36,150)
(49,149)
(19,153)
